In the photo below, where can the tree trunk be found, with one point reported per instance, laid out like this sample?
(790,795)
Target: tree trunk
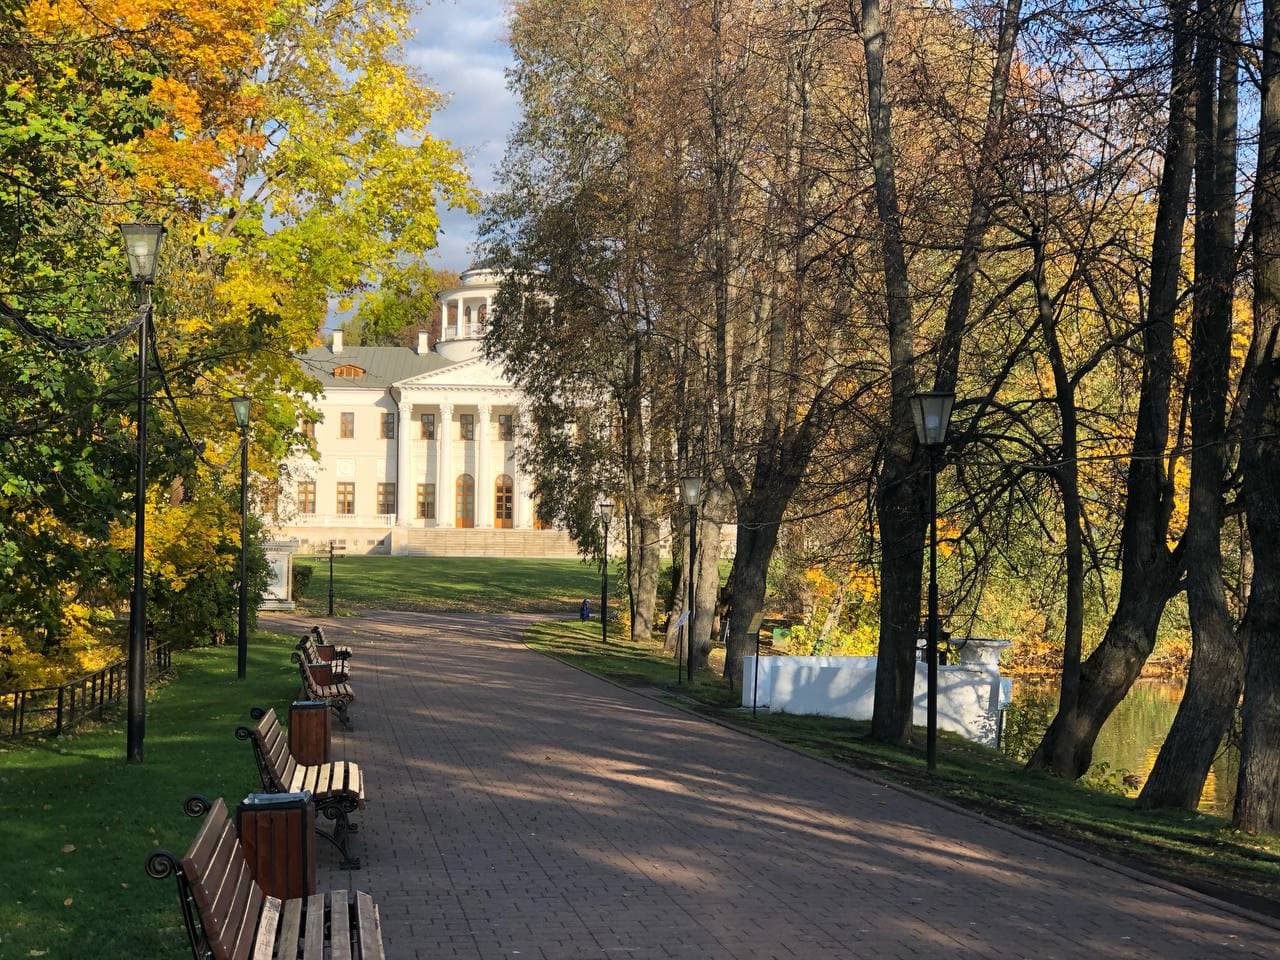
(1257,806)
(1149,572)
(1217,661)
(1068,479)
(758,523)
(646,590)
(679,580)
(900,495)
(707,586)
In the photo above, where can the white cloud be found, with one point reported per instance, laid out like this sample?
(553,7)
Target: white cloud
(461,47)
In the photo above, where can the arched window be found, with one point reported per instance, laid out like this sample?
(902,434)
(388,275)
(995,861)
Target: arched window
(466,507)
(503,502)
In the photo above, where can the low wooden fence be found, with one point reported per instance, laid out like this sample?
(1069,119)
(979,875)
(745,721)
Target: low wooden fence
(48,711)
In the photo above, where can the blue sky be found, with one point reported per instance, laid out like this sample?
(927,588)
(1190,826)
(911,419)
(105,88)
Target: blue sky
(461,47)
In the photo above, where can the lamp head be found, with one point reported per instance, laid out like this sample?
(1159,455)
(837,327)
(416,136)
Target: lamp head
(932,413)
(142,247)
(605,509)
(691,490)
(241,407)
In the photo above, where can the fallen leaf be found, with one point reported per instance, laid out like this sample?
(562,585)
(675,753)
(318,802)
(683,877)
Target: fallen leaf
(68,848)
(68,902)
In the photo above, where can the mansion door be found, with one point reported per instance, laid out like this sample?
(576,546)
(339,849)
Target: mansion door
(503,502)
(466,507)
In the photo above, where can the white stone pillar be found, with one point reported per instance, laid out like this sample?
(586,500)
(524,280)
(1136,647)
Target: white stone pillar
(519,502)
(404,464)
(484,475)
(445,492)
(488,312)
(444,319)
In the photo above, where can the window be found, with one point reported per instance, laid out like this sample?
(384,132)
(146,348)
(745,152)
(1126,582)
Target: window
(506,428)
(503,502)
(428,426)
(348,371)
(426,501)
(468,423)
(309,429)
(388,431)
(347,427)
(307,496)
(466,501)
(346,498)
(271,500)
(386,498)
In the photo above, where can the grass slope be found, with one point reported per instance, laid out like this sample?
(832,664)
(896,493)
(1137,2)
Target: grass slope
(448,584)
(1188,848)
(78,822)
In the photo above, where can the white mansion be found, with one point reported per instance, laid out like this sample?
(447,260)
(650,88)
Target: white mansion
(417,447)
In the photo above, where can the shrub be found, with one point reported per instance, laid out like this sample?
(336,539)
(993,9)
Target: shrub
(302,574)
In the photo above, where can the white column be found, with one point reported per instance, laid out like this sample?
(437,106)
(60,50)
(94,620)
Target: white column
(445,492)
(484,479)
(488,313)
(404,464)
(444,319)
(519,506)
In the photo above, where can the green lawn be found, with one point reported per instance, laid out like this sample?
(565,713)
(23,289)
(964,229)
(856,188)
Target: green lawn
(78,822)
(1189,848)
(449,584)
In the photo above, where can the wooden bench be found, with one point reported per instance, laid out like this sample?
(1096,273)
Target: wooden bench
(229,917)
(319,683)
(340,651)
(337,789)
(326,653)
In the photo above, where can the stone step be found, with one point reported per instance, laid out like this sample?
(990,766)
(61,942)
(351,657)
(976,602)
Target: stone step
(453,542)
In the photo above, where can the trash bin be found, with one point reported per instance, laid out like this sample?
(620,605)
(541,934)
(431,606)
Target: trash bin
(311,732)
(278,834)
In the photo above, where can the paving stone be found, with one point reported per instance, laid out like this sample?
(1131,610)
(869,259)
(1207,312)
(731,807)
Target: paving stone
(520,808)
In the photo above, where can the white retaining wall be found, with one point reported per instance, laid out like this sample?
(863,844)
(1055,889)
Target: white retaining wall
(969,699)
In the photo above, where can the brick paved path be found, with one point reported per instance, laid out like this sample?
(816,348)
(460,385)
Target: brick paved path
(519,808)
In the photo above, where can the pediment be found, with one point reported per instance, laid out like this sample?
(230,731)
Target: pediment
(477,372)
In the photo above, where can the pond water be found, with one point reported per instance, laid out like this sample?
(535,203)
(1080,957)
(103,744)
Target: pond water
(1127,747)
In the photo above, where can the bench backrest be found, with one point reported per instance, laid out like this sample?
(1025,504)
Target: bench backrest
(308,647)
(274,758)
(308,681)
(227,898)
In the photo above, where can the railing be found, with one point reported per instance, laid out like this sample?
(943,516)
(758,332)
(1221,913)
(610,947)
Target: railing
(369,520)
(49,711)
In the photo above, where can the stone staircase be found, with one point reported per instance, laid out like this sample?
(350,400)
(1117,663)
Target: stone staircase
(452,542)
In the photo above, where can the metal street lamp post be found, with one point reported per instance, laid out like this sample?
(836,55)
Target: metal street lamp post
(241,407)
(932,413)
(691,493)
(142,247)
(605,509)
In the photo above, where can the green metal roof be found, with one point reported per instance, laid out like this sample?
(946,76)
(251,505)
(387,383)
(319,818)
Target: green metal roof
(382,366)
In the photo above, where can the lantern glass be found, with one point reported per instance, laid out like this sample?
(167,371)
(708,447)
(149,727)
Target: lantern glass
(932,414)
(142,247)
(605,509)
(241,407)
(691,490)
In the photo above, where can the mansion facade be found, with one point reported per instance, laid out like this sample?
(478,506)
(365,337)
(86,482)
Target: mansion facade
(417,447)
